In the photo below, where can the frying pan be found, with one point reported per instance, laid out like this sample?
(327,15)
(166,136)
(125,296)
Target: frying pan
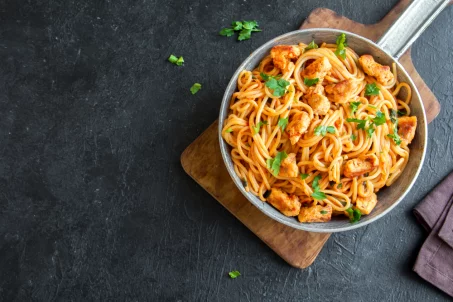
(387,50)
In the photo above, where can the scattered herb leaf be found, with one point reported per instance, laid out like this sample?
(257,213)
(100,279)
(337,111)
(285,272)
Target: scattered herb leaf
(312,45)
(304,176)
(234,274)
(360,123)
(322,130)
(257,128)
(229,130)
(317,194)
(173,59)
(227,32)
(277,85)
(274,163)
(311,82)
(354,106)
(353,137)
(341,46)
(195,87)
(354,215)
(393,116)
(379,119)
(371,89)
(340,185)
(245,29)
(282,123)
(324,212)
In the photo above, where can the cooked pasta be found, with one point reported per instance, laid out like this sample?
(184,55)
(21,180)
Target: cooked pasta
(317,131)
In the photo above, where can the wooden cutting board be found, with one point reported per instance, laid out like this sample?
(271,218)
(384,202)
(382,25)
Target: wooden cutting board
(298,248)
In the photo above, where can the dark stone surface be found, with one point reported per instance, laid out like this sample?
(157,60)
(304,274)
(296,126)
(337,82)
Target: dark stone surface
(94,204)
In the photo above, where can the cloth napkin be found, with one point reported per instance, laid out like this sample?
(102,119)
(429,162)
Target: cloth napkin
(435,213)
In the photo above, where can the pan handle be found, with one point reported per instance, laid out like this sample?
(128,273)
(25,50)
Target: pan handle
(410,25)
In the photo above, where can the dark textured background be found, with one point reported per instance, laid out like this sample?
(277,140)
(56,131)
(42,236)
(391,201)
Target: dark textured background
(94,204)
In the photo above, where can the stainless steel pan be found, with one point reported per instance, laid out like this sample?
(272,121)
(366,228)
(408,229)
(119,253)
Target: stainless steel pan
(398,38)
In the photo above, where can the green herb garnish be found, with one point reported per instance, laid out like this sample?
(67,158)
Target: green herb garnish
(360,123)
(195,87)
(312,45)
(353,137)
(354,106)
(311,82)
(322,130)
(393,116)
(317,194)
(234,274)
(354,215)
(282,123)
(229,130)
(341,46)
(371,89)
(340,185)
(245,29)
(304,176)
(379,119)
(324,212)
(257,128)
(277,85)
(274,163)
(175,60)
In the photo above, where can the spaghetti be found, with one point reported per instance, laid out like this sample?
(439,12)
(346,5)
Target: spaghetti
(317,134)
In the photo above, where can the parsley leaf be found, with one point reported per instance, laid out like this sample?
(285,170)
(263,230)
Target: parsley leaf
(304,176)
(257,128)
(195,87)
(370,130)
(396,138)
(249,24)
(227,32)
(371,89)
(236,25)
(277,85)
(234,274)
(322,130)
(274,163)
(173,59)
(311,82)
(316,189)
(312,45)
(354,106)
(229,130)
(393,116)
(340,185)
(324,212)
(360,123)
(180,61)
(354,215)
(341,46)
(353,137)
(379,119)
(282,123)
(245,34)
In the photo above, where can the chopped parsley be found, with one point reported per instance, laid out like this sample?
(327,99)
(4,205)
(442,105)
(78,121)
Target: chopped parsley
(322,130)
(323,212)
(234,274)
(278,86)
(311,82)
(360,123)
(353,137)
(340,185)
(195,87)
(371,89)
(378,120)
(282,123)
(229,130)
(317,194)
(245,29)
(393,116)
(175,60)
(312,45)
(304,176)
(274,163)
(354,215)
(354,106)
(257,128)
(341,46)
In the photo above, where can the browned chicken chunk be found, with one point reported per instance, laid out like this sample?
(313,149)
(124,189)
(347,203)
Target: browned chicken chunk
(315,213)
(406,129)
(319,68)
(288,167)
(382,73)
(342,91)
(282,55)
(298,128)
(319,103)
(289,205)
(366,204)
(361,165)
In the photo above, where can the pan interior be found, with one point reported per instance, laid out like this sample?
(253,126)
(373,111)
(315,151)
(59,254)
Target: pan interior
(388,197)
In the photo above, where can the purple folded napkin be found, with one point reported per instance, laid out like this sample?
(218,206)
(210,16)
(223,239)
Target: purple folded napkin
(435,213)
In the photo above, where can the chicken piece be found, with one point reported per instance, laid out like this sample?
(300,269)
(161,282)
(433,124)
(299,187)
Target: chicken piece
(361,165)
(288,167)
(298,128)
(366,204)
(382,73)
(319,103)
(315,213)
(406,129)
(342,91)
(316,89)
(319,68)
(282,55)
(289,205)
